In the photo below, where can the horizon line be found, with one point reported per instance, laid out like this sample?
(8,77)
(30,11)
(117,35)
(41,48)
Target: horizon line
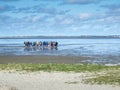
(60,37)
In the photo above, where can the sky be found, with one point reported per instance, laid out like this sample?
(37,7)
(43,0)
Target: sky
(59,17)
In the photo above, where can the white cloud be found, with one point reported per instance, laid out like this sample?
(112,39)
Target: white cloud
(36,18)
(33,18)
(83,1)
(67,21)
(85,16)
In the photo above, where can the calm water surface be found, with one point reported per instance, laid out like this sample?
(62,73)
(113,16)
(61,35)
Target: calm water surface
(103,50)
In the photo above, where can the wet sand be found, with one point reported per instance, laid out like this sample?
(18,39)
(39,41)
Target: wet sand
(43,59)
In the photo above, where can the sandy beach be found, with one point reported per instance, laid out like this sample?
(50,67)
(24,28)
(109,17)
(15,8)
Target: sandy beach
(47,81)
(22,80)
(43,59)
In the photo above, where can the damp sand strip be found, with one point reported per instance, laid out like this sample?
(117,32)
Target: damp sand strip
(43,59)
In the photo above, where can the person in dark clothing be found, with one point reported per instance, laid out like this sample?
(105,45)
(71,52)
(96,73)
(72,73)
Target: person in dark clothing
(56,44)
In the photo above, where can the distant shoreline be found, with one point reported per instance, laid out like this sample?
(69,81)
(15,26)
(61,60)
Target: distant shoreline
(62,37)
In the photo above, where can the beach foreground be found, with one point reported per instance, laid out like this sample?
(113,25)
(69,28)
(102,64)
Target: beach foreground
(43,73)
(12,80)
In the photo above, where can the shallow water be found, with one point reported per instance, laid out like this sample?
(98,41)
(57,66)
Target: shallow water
(103,50)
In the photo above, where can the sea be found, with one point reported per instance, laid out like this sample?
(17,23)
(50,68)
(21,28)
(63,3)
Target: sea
(106,51)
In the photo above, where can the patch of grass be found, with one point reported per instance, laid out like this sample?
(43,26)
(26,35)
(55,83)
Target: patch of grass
(109,74)
(112,78)
(56,67)
(73,82)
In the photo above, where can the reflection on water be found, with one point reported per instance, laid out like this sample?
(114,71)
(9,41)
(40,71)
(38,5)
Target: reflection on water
(39,48)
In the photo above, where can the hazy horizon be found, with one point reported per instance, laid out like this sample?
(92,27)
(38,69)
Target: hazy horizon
(62,37)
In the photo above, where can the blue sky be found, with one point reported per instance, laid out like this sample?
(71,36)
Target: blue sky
(59,17)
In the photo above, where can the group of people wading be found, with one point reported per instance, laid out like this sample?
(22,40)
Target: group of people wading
(41,44)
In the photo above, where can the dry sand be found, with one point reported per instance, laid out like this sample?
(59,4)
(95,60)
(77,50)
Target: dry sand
(47,81)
